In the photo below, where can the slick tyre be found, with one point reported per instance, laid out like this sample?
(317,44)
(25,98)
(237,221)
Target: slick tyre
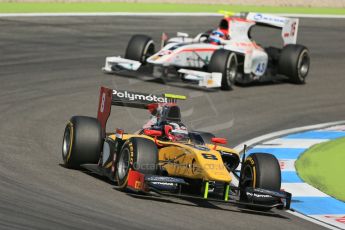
(139,48)
(225,62)
(260,170)
(82,141)
(139,154)
(294,62)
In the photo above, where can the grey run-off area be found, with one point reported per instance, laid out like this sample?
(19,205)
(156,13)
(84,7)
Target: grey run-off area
(50,70)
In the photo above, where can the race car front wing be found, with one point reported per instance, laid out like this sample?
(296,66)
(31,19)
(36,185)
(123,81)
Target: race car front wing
(204,79)
(113,64)
(163,186)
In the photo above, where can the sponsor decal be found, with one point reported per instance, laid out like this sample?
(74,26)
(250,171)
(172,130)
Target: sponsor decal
(293,29)
(131,150)
(250,160)
(258,17)
(267,18)
(247,45)
(202,148)
(258,195)
(261,67)
(137,96)
(208,156)
(137,185)
(164,179)
(163,183)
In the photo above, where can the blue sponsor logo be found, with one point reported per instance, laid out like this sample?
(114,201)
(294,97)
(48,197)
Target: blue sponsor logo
(258,17)
(203,148)
(261,67)
(266,18)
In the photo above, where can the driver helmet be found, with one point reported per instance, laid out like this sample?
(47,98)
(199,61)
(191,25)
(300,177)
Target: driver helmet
(216,36)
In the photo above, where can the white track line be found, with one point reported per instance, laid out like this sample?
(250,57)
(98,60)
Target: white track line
(302,189)
(152,14)
(290,143)
(312,220)
(277,134)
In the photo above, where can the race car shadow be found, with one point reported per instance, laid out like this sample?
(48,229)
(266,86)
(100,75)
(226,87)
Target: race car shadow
(258,84)
(182,201)
(202,204)
(90,173)
(206,204)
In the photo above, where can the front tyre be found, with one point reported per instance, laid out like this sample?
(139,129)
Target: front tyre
(294,62)
(260,170)
(139,154)
(82,141)
(139,48)
(225,62)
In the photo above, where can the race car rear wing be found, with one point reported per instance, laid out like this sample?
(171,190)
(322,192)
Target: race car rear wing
(289,26)
(109,97)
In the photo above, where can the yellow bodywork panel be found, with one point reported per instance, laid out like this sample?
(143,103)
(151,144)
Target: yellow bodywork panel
(223,148)
(190,161)
(187,161)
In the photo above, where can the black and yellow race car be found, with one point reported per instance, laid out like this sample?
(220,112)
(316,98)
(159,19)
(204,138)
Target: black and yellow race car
(164,158)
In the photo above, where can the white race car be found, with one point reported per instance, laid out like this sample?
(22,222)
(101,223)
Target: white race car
(221,57)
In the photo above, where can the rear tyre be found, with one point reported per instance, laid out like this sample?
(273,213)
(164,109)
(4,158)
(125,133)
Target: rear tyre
(139,48)
(137,154)
(82,141)
(260,170)
(294,62)
(225,62)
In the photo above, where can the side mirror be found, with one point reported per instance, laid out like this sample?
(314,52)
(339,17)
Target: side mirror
(151,132)
(218,140)
(183,35)
(167,131)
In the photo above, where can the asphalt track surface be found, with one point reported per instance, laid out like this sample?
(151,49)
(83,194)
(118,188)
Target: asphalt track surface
(50,70)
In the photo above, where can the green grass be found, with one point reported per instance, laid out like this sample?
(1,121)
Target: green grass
(150,7)
(323,166)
